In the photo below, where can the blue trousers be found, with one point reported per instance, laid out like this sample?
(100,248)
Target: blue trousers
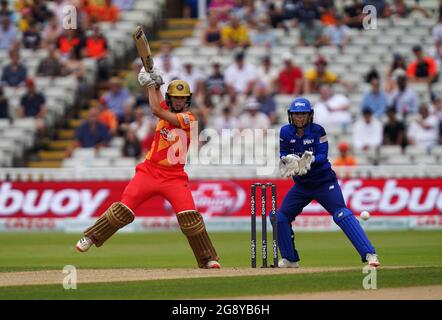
(329,195)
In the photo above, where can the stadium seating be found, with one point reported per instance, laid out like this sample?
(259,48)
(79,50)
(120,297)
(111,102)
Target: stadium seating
(368,48)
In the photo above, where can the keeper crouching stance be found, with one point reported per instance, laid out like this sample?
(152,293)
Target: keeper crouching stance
(303,152)
(162,173)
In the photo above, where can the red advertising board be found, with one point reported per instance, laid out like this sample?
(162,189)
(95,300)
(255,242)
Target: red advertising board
(226,198)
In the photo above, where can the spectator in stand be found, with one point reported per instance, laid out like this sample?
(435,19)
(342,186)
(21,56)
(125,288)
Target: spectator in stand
(328,14)
(143,128)
(252,118)
(306,11)
(399,9)
(96,48)
(222,8)
(338,35)
(371,74)
(132,146)
(423,69)
(266,101)
(397,67)
(424,131)
(404,99)
(344,158)
(40,12)
(6,12)
(235,35)
(124,5)
(211,35)
(268,74)
(108,12)
(51,32)
(194,78)
(131,79)
(262,35)
(320,75)
(92,133)
(166,56)
(353,15)
(375,99)
(290,78)
(367,132)
(8,34)
(32,104)
(107,117)
(117,96)
(436,31)
(15,73)
(311,33)
(4,106)
(248,12)
(289,8)
(75,66)
(125,119)
(31,38)
(215,82)
(50,66)
(169,72)
(226,121)
(26,19)
(437,110)
(394,130)
(87,10)
(57,7)
(332,110)
(380,5)
(240,75)
(68,40)
(276,15)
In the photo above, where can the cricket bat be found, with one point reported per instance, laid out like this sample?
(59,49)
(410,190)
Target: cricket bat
(143,48)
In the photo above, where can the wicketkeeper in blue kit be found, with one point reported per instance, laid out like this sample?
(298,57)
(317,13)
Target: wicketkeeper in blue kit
(303,153)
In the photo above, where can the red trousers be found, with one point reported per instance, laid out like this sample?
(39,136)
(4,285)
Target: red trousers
(151,179)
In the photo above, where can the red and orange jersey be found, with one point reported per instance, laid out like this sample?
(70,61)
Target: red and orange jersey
(170,143)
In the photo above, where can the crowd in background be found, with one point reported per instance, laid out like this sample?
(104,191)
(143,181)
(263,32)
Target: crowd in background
(123,110)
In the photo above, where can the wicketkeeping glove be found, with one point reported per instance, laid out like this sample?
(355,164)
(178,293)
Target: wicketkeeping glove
(305,162)
(288,166)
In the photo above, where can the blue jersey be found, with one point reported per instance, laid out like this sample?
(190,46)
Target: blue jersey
(314,140)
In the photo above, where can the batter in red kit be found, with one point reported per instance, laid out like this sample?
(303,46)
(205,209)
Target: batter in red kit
(162,173)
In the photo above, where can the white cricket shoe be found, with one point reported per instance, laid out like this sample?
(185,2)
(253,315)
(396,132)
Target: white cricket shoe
(372,260)
(213,265)
(284,263)
(84,244)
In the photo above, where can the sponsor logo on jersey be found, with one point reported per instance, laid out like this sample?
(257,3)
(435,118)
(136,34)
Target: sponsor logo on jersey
(167,135)
(186,119)
(293,141)
(308,141)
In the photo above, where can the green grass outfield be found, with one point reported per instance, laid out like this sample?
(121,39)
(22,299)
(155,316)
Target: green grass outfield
(33,251)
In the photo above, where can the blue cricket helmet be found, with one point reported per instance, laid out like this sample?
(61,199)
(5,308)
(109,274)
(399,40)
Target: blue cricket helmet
(300,105)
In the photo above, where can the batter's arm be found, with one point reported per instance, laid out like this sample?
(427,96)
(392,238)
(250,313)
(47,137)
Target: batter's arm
(155,99)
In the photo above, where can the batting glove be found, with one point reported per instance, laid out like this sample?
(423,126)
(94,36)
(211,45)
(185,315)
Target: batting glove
(305,162)
(156,75)
(144,78)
